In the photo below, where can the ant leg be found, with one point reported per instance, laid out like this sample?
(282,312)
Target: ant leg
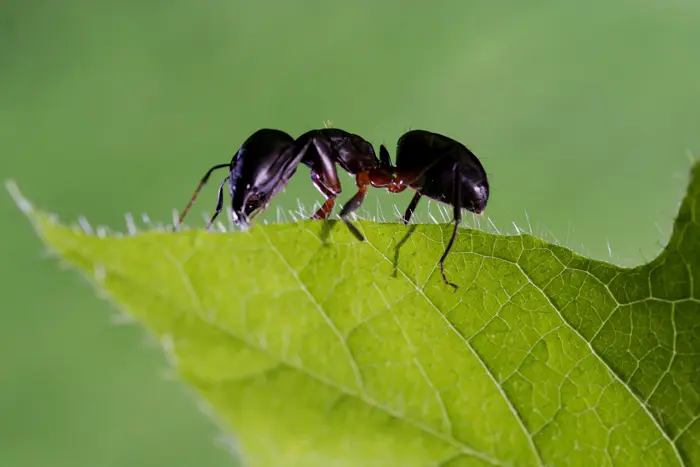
(196,192)
(219,202)
(329,188)
(325,209)
(362,180)
(457,204)
(412,207)
(324,174)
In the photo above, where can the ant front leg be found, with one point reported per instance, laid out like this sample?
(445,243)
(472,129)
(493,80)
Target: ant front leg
(219,202)
(412,207)
(363,180)
(457,205)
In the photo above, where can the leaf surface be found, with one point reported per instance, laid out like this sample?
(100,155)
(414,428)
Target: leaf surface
(314,349)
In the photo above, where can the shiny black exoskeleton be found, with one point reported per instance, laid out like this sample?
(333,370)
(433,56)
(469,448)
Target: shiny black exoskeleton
(440,168)
(268,159)
(331,146)
(258,171)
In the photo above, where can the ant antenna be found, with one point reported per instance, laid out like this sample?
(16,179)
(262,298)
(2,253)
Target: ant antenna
(199,188)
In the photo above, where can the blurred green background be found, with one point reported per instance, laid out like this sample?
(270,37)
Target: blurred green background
(583,114)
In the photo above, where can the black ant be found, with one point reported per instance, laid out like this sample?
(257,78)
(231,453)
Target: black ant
(433,165)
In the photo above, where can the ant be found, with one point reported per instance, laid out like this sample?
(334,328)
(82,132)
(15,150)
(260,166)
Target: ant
(433,165)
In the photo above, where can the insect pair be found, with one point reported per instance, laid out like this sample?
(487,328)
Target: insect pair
(433,165)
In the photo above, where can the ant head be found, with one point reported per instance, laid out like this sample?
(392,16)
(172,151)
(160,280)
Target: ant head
(473,186)
(475,192)
(244,212)
(474,183)
(476,198)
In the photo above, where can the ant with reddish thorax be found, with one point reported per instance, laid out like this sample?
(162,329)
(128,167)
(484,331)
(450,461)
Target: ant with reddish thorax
(433,165)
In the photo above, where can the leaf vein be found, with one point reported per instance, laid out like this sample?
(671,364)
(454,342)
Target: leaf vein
(610,369)
(491,376)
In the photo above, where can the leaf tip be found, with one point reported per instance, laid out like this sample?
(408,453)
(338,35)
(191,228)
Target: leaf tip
(22,203)
(35,217)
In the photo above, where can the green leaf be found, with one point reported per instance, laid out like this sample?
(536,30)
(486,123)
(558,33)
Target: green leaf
(316,352)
